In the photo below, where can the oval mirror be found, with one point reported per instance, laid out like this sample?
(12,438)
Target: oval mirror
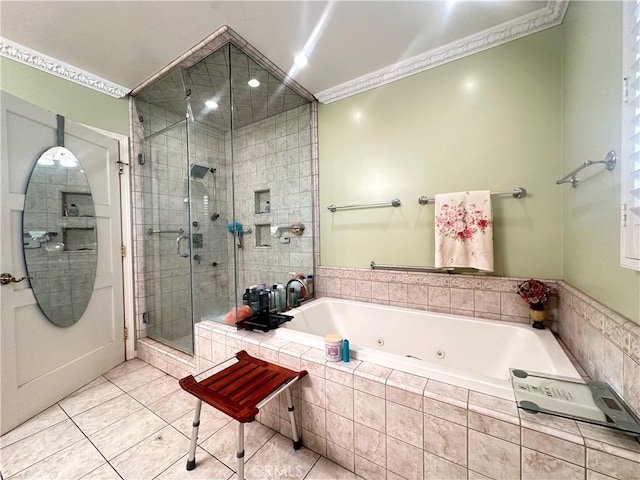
(60,236)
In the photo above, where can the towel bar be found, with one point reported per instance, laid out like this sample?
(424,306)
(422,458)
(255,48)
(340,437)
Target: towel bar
(517,192)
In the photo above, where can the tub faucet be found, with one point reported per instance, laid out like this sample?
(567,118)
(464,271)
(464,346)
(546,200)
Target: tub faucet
(287,295)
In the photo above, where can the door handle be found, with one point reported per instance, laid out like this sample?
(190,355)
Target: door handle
(178,250)
(7,278)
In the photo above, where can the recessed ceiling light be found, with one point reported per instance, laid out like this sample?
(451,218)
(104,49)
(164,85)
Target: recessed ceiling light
(253,83)
(301,59)
(211,104)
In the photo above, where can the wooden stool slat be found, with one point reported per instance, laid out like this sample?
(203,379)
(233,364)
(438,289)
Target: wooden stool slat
(223,375)
(256,396)
(240,380)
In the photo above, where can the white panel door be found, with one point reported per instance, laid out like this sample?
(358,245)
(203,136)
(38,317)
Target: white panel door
(41,363)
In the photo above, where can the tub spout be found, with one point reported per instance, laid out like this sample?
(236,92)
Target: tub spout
(289,301)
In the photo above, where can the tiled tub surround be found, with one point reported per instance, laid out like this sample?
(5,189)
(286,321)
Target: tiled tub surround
(605,344)
(384,423)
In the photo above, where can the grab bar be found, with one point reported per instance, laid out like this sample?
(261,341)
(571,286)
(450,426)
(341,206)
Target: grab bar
(393,203)
(151,231)
(572,178)
(379,266)
(517,192)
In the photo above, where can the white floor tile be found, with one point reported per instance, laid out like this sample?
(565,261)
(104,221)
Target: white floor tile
(325,469)
(84,400)
(152,456)
(30,450)
(207,468)
(72,463)
(125,433)
(277,459)
(224,443)
(46,419)
(96,418)
(211,420)
(103,472)
(155,390)
(124,368)
(137,378)
(174,405)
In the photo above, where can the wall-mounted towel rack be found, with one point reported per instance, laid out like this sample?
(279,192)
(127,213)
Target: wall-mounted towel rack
(517,192)
(393,203)
(412,268)
(572,178)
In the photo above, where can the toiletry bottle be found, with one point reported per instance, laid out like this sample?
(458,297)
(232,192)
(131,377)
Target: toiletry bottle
(263,302)
(72,210)
(303,288)
(282,297)
(254,299)
(293,296)
(310,286)
(345,350)
(275,298)
(245,297)
(267,207)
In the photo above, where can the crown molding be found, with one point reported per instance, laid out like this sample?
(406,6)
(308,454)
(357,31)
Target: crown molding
(550,15)
(43,62)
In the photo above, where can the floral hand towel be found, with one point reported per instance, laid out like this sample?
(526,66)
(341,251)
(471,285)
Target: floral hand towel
(464,230)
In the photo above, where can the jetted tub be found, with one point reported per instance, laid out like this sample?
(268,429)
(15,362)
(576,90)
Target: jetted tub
(468,352)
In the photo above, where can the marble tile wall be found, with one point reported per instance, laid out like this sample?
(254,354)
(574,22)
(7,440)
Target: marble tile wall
(606,344)
(493,298)
(272,161)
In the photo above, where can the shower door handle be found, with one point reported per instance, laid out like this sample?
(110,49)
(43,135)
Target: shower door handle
(178,249)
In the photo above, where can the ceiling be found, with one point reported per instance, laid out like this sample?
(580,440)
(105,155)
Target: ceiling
(350,44)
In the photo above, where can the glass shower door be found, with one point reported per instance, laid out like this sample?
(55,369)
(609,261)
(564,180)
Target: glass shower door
(166,292)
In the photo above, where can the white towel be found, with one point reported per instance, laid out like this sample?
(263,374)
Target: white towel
(464,230)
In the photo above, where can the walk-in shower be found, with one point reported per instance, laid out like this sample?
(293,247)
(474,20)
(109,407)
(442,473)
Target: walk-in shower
(213,151)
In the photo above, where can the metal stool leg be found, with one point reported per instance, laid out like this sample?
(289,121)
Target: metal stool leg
(191,459)
(297,443)
(240,453)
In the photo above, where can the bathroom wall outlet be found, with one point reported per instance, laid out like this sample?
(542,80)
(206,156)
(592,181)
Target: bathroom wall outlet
(285,240)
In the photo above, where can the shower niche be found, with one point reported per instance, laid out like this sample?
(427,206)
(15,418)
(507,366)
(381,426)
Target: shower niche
(224,161)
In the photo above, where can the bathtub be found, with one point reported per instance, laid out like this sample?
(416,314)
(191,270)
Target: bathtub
(468,352)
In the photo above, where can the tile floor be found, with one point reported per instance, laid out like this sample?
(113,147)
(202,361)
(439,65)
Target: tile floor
(134,423)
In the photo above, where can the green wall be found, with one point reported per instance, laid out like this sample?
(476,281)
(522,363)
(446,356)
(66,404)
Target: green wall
(77,103)
(592,75)
(490,121)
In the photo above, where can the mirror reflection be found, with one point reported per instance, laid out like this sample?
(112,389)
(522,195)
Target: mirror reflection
(59,236)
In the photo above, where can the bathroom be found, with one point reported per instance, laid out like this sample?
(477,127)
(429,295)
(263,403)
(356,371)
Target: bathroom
(552,103)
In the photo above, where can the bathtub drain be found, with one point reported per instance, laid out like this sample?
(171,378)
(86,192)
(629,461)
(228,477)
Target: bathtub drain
(440,354)
(380,341)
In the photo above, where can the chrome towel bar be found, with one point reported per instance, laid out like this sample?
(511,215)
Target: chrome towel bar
(379,266)
(151,231)
(572,178)
(517,192)
(393,203)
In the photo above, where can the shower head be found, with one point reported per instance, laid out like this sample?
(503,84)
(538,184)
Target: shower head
(198,171)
